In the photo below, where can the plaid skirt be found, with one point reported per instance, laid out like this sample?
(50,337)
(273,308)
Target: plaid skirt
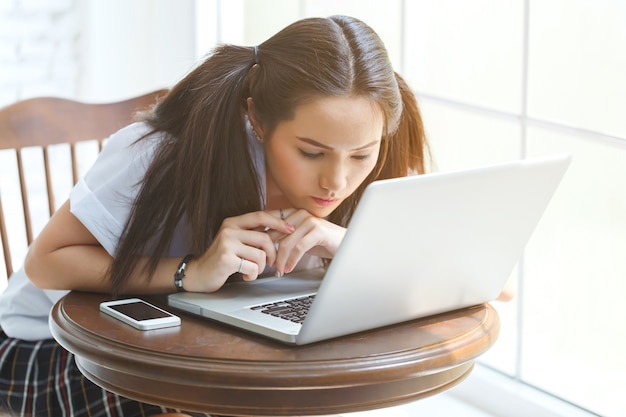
(41,379)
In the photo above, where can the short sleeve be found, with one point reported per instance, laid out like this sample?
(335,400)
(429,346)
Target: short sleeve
(102,199)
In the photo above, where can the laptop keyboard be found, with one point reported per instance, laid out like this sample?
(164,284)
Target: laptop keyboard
(294,309)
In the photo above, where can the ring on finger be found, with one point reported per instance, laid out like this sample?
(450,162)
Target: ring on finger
(282,214)
(241,265)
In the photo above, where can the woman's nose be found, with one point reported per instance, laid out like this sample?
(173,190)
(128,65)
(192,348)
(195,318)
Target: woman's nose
(333,177)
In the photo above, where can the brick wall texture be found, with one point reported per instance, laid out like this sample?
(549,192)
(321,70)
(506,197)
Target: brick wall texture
(39,48)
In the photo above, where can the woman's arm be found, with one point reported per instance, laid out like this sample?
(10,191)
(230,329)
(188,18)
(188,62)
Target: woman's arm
(66,256)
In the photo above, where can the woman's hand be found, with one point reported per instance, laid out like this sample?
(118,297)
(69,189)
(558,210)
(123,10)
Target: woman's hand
(508,292)
(242,244)
(312,235)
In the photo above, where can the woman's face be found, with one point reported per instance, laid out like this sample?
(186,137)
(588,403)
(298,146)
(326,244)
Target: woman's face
(319,158)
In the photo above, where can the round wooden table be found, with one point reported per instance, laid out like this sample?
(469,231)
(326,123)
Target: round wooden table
(207,367)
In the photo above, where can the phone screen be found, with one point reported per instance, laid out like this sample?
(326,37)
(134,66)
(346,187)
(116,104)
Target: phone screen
(139,311)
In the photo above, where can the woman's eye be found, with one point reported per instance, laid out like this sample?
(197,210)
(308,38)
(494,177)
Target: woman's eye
(310,155)
(361,157)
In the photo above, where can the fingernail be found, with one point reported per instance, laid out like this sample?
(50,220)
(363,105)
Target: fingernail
(291,227)
(277,273)
(287,269)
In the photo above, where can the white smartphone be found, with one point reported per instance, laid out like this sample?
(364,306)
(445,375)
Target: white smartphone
(139,314)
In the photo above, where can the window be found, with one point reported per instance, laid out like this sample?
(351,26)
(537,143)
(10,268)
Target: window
(503,80)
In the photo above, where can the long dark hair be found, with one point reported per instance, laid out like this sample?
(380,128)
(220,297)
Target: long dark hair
(203,173)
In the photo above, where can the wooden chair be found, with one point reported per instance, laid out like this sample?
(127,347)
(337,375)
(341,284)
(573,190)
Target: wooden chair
(42,137)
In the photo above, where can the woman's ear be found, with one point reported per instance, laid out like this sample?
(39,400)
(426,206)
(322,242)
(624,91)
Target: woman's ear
(257,129)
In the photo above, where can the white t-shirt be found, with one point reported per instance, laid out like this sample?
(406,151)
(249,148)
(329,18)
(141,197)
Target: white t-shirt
(101,201)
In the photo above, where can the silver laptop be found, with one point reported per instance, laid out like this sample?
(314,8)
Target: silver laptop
(416,246)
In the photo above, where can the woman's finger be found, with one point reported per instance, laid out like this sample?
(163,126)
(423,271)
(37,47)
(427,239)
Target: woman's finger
(282,213)
(259,220)
(258,250)
(312,235)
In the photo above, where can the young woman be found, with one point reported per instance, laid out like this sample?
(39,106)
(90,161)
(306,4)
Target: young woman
(252,164)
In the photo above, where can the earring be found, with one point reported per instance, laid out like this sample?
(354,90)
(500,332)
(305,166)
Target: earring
(256,135)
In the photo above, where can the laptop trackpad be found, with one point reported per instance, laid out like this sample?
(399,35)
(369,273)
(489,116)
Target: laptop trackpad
(237,295)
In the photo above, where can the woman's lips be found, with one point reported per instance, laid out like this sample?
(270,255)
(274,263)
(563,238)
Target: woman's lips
(325,202)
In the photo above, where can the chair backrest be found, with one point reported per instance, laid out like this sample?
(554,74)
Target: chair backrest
(39,138)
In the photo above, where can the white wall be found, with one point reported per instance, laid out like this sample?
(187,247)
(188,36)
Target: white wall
(131,47)
(38,49)
(95,50)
